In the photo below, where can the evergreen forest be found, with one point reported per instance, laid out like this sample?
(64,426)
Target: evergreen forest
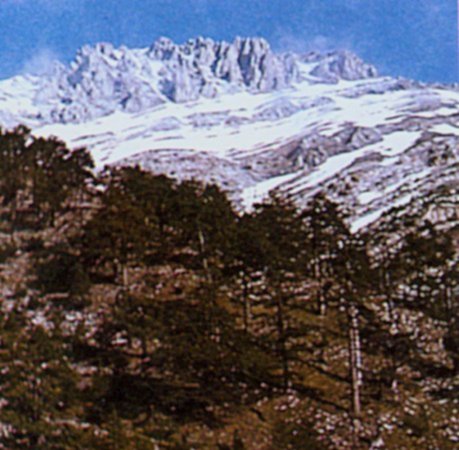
(139,312)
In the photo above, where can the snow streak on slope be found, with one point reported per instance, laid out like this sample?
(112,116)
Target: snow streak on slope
(235,125)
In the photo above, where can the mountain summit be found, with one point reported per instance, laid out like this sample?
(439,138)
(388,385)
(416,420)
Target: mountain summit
(103,79)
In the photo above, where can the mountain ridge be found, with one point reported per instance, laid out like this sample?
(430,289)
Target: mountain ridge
(103,79)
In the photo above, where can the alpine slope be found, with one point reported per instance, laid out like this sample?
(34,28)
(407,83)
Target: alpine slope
(254,121)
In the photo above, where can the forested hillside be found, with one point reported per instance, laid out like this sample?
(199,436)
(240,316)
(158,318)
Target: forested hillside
(138,312)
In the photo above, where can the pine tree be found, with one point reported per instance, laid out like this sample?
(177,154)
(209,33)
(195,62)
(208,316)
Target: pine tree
(116,236)
(12,171)
(39,175)
(356,278)
(54,175)
(272,270)
(324,229)
(206,222)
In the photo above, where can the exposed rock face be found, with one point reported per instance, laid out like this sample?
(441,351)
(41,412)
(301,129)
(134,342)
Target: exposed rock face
(315,149)
(201,65)
(99,81)
(103,79)
(189,165)
(343,65)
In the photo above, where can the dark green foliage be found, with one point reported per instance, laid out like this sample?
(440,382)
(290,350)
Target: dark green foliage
(325,233)
(59,271)
(271,256)
(12,164)
(116,235)
(148,220)
(38,176)
(181,358)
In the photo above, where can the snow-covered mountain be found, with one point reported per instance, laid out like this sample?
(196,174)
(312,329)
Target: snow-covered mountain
(252,120)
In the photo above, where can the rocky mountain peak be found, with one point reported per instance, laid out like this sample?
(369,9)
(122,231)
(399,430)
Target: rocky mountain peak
(103,79)
(244,63)
(343,65)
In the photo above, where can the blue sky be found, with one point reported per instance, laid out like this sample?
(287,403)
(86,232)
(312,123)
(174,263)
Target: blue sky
(410,38)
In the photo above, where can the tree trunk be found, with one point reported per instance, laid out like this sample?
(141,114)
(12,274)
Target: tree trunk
(321,303)
(202,247)
(121,274)
(246,304)
(355,367)
(13,222)
(281,343)
(447,297)
(387,289)
(125,276)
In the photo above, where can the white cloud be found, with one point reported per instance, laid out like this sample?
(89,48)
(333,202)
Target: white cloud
(41,63)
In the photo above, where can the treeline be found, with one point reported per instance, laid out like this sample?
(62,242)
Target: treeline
(147,313)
